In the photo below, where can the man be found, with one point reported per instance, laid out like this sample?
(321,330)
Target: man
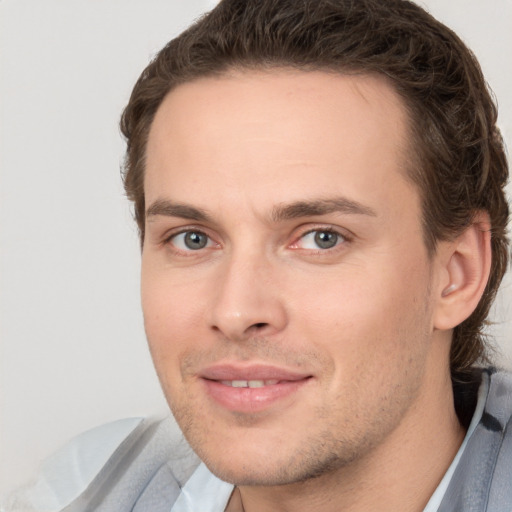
(318,187)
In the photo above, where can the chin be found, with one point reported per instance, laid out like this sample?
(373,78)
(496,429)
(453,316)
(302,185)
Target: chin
(258,468)
(245,475)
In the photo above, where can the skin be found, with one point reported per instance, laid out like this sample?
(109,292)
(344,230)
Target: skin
(359,319)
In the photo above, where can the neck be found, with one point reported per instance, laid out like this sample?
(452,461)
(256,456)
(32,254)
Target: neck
(402,472)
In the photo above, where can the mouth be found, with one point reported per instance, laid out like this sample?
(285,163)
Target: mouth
(249,383)
(251,389)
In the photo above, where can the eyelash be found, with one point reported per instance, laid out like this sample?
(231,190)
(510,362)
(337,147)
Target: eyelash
(342,240)
(168,241)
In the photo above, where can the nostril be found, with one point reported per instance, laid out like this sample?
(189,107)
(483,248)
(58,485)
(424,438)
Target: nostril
(260,325)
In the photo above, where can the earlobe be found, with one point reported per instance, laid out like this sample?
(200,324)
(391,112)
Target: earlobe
(466,263)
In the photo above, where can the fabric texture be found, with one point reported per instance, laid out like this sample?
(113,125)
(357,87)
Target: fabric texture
(146,466)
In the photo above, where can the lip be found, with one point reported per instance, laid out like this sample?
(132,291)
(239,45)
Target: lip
(250,372)
(247,399)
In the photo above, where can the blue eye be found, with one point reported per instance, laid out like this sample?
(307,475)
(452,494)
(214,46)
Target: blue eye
(321,239)
(191,241)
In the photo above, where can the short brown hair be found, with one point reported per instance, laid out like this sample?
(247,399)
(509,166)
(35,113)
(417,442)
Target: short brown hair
(459,163)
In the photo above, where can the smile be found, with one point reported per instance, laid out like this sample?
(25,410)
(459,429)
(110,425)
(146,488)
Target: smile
(251,388)
(248,383)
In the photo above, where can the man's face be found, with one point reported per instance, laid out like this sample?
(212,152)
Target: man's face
(285,282)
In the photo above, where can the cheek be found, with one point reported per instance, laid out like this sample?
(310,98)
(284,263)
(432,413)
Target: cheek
(375,335)
(362,314)
(170,321)
(169,305)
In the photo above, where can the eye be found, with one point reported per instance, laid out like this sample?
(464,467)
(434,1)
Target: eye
(320,239)
(190,241)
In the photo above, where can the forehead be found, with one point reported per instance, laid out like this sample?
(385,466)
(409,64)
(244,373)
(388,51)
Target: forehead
(254,132)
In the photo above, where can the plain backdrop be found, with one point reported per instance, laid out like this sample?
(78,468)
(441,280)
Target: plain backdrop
(73,352)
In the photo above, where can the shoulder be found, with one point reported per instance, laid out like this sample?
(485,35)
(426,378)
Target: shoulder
(482,478)
(491,443)
(499,398)
(117,466)
(495,419)
(496,422)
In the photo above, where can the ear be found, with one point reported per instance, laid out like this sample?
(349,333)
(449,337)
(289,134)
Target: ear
(464,265)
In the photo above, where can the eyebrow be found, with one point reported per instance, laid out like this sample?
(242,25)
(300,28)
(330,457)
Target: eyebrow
(320,207)
(171,209)
(279,213)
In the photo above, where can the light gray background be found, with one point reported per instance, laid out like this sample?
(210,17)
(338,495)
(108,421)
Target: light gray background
(72,347)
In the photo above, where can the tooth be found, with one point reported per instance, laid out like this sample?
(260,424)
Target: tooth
(256,383)
(248,383)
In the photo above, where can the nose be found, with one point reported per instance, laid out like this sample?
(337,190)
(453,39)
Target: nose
(248,300)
